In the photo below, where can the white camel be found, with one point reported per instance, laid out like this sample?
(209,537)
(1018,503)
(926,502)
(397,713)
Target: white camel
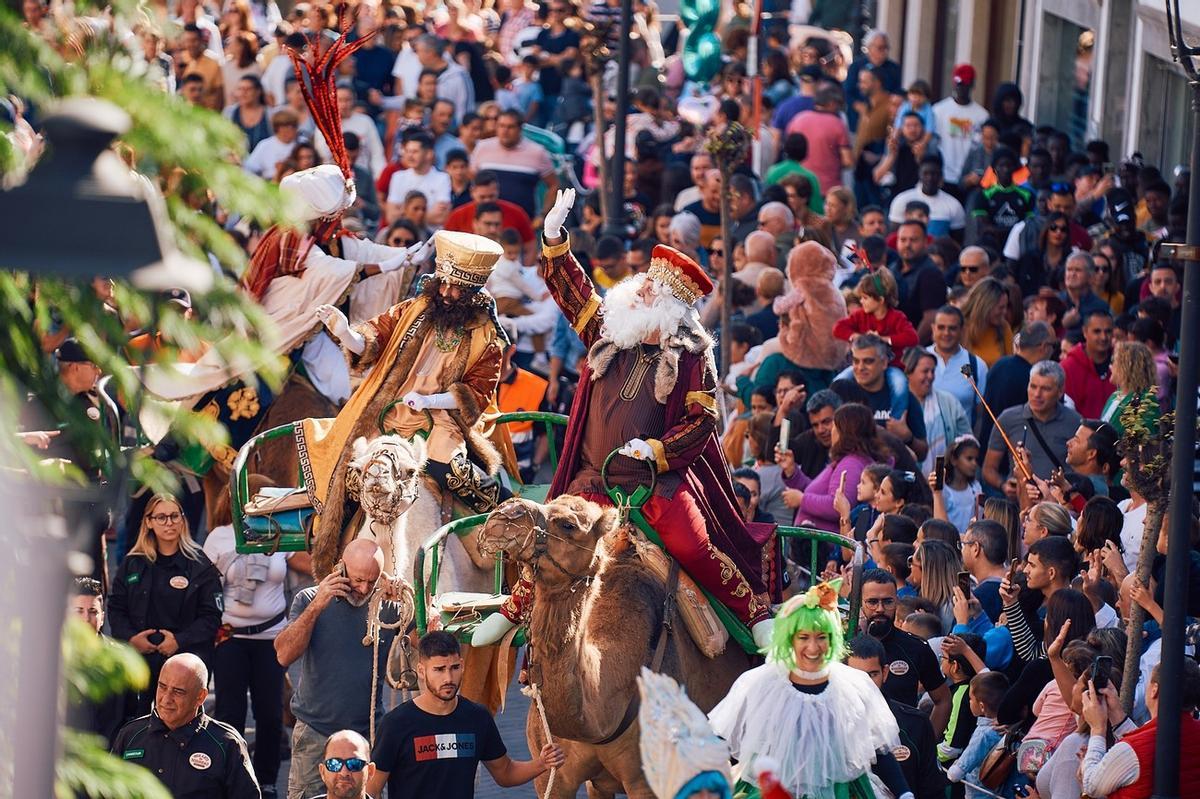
(402,510)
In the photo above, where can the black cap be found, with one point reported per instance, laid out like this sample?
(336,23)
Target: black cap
(70,351)
(178,296)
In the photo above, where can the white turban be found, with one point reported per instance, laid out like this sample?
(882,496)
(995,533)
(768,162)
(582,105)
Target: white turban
(323,190)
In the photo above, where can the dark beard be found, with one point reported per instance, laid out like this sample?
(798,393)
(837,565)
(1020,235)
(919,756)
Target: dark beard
(449,316)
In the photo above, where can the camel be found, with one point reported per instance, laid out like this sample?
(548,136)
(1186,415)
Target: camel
(596,620)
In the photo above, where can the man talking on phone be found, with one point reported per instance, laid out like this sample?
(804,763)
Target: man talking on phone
(325,632)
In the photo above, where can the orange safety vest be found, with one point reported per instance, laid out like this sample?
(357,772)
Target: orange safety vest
(525,392)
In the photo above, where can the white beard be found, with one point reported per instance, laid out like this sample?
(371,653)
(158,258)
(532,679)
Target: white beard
(628,320)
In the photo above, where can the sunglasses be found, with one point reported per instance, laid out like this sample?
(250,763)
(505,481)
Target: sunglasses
(969,270)
(1058,229)
(402,242)
(1099,268)
(352,764)
(716,251)
(163,518)
(1060,188)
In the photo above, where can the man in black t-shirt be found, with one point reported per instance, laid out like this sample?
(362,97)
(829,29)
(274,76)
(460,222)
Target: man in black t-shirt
(872,385)
(432,745)
(911,663)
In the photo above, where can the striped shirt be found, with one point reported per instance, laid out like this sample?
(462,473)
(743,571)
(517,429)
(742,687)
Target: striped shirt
(520,169)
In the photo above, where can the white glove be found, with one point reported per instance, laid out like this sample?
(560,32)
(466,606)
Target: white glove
(409,256)
(339,327)
(637,448)
(429,402)
(557,215)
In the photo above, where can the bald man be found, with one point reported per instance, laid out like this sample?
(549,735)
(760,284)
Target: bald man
(325,633)
(760,255)
(192,754)
(346,766)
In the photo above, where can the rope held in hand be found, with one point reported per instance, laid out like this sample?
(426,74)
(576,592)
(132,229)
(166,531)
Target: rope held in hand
(533,692)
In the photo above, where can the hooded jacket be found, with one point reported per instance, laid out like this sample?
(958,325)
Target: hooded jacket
(1005,122)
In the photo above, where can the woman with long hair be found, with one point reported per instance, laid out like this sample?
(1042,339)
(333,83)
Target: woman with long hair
(799,199)
(166,596)
(777,77)
(935,567)
(855,445)
(898,489)
(841,210)
(249,111)
(241,59)
(1100,522)
(986,331)
(658,224)
(255,611)
(1135,375)
(1046,263)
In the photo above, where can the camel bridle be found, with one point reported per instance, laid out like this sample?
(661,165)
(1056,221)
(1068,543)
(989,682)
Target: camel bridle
(538,534)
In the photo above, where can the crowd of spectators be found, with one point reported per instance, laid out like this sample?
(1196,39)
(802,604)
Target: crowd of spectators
(945,315)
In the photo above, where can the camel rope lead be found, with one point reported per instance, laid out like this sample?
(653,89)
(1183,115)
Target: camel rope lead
(375,627)
(533,692)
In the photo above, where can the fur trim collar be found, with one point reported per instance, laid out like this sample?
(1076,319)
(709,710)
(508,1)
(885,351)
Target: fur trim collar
(694,340)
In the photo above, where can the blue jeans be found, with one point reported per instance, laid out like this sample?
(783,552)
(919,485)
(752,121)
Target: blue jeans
(897,385)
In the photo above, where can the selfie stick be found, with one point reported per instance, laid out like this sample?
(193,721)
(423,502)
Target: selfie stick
(966,372)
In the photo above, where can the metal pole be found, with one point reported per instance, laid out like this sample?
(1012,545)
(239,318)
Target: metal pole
(617,206)
(1170,670)
(727,274)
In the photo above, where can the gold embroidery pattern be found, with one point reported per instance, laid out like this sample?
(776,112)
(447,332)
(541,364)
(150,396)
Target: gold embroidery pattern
(243,404)
(680,285)
(586,313)
(555,250)
(660,454)
(633,384)
(468,486)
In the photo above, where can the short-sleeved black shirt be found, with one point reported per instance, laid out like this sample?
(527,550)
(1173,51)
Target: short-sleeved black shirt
(910,661)
(427,755)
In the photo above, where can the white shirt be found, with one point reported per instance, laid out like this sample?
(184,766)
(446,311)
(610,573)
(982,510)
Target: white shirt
(957,128)
(686,197)
(945,212)
(274,78)
(266,157)
(370,152)
(408,69)
(433,184)
(1012,244)
(1131,532)
(269,599)
(948,377)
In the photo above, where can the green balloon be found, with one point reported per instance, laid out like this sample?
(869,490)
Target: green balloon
(692,11)
(702,56)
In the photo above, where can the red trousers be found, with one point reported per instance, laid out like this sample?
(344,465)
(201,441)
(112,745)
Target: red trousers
(680,524)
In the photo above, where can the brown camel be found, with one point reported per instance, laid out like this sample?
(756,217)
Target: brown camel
(597,616)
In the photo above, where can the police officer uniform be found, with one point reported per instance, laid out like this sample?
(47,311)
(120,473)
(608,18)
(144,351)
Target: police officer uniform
(202,759)
(173,593)
(917,753)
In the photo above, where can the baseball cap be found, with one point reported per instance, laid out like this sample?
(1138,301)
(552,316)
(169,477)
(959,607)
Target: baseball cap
(964,73)
(178,296)
(70,351)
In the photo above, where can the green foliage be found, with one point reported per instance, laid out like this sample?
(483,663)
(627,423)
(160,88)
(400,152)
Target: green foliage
(98,667)
(87,768)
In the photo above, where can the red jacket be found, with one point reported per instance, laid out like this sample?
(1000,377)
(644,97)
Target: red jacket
(895,324)
(1085,387)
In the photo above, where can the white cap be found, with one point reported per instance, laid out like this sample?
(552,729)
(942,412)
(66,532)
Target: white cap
(323,190)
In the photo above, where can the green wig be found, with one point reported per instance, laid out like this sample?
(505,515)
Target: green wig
(814,611)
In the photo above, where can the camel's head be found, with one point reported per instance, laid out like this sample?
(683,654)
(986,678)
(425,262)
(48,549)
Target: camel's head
(387,471)
(559,538)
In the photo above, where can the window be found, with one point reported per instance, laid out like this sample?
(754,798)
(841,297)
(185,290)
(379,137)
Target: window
(1165,129)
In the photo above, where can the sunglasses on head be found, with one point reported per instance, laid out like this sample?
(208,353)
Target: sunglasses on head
(352,764)
(1060,188)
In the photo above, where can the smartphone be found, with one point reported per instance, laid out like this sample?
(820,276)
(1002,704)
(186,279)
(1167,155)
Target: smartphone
(1101,669)
(1014,567)
(964,582)
(939,472)
(785,435)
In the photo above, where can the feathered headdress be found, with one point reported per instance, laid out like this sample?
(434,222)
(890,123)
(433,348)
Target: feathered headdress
(282,251)
(679,749)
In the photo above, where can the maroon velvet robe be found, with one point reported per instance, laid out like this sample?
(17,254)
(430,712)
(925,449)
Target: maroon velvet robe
(691,401)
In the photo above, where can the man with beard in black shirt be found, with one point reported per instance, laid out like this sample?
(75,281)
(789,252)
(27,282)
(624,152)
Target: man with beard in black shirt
(917,753)
(433,744)
(911,664)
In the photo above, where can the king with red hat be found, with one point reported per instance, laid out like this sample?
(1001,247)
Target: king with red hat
(648,390)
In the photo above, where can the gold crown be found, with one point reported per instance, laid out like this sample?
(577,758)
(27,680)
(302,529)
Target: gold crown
(465,258)
(675,280)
